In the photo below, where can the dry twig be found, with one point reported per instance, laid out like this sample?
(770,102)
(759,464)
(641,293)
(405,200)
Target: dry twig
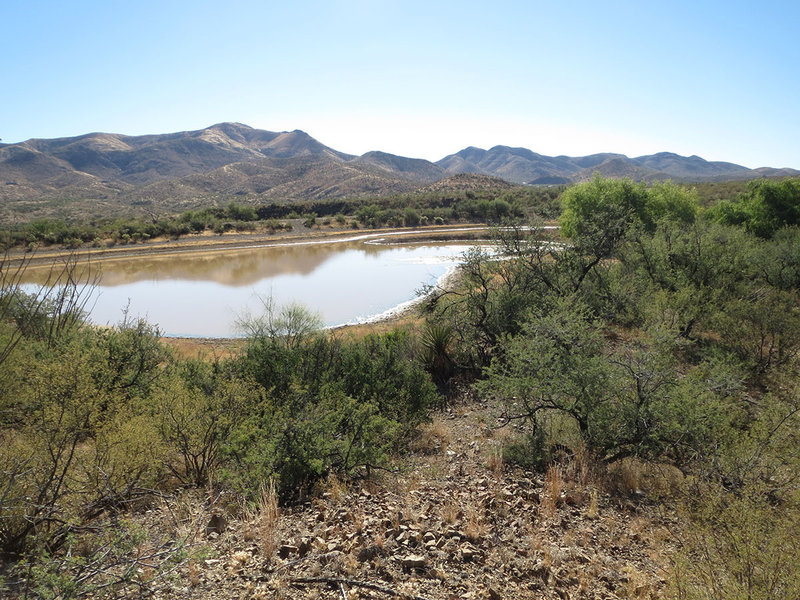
(363,584)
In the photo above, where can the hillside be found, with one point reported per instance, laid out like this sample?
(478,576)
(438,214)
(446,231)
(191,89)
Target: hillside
(307,177)
(520,165)
(144,159)
(414,168)
(88,174)
(466,182)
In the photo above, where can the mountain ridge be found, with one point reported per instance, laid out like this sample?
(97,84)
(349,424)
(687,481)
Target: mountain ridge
(234,158)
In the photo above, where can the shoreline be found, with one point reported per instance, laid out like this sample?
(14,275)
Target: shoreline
(404,314)
(210,242)
(400,315)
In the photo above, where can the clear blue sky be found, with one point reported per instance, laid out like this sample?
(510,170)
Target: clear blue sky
(720,79)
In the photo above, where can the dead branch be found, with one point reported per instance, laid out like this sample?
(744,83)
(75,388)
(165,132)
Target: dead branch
(351,582)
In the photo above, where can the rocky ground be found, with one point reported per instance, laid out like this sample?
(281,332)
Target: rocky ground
(452,522)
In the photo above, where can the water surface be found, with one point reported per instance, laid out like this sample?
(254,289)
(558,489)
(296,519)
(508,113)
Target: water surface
(204,293)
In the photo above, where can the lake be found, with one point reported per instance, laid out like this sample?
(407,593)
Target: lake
(203,293)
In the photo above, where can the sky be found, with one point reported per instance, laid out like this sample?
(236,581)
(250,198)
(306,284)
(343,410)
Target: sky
(720,79)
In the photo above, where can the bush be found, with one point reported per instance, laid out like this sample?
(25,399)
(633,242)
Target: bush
(301,437)
(331,407)
(196,414)
(530,451)
(410,217)
(766,207)
(627,402)
(738,546)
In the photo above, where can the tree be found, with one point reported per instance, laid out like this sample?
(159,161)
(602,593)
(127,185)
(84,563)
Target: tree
(554,366)
(290,324)
(196,421)
(598,214)
(237,212)
(624,401)
(689,271)
(765,207)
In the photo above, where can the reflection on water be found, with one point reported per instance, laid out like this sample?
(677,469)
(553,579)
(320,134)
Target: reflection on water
(230,267)
(202,294)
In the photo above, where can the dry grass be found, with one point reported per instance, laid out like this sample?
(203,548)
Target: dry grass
(494,461)
(635,477)
(193,574)
(451,511)
(331,488)
(626,477)
(594,509)
(262,521)
(475,526)
(638,585)
(208,349)
(407,321)
(357,519)
(185,516)
(581,467)
(237,561)
(552,492)
(433,438)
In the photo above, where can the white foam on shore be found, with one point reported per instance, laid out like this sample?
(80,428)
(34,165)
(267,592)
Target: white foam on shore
(401,308)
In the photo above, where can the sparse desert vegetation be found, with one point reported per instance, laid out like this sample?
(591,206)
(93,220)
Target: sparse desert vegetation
(611,416)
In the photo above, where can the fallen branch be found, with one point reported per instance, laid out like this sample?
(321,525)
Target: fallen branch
(364,584)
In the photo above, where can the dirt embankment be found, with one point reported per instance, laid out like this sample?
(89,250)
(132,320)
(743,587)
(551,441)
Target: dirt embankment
(231,241)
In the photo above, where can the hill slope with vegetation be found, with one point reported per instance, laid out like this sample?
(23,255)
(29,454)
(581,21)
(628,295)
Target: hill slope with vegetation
(101,174)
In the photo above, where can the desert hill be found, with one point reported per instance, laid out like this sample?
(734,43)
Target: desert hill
(232,159)
(304,177)
(520,165)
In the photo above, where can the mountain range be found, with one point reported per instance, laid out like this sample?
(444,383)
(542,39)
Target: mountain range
(234,159)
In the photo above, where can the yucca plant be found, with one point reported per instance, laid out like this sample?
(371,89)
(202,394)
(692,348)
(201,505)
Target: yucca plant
(436,341)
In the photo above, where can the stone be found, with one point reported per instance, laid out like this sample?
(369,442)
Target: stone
(370,552)
(217,524)
(304,547)
(468,552)
(413,561)
(286,549)
(318,542)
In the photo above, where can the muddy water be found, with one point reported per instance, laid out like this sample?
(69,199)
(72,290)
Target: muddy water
(204,293)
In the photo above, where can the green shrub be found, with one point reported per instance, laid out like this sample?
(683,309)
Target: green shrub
(766,207)
(196,419)
(301,437)
(738,546)
(331,406)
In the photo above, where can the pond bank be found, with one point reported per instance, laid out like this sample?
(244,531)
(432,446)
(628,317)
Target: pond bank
(234,241)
